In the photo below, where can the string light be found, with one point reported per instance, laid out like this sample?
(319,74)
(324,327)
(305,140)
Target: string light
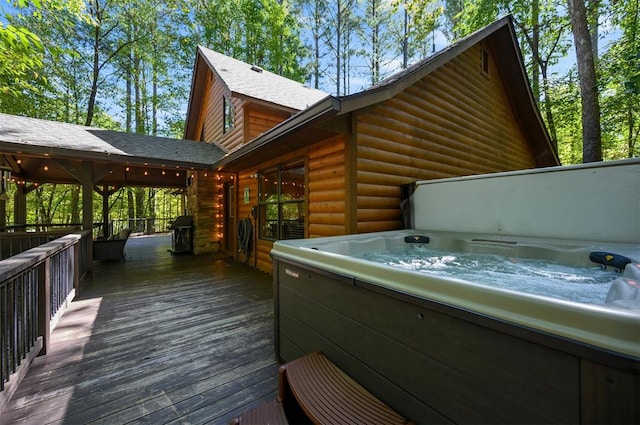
(219,206)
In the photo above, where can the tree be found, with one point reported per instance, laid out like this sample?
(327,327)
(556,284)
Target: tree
(620,70)
(260,32)
(544,35)
(22,52)
(315,14)
(541,27)
(419,18)
(591,132)
(375,37)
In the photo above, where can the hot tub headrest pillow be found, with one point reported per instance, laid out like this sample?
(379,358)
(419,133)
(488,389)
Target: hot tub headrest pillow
(624,293)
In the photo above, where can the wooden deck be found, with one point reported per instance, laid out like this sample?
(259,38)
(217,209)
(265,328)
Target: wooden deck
(185,339)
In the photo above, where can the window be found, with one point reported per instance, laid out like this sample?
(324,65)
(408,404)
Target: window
(228,115)
(281,202)
(485,62)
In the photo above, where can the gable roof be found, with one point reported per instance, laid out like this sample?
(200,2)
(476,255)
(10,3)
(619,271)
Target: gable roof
(42,140)
(255,82)
(500,34)
(248,81)
(32,135)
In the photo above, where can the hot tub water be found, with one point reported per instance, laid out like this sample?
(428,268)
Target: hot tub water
(588,285)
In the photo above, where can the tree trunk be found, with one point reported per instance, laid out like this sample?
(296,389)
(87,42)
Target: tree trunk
(535,49)
(316,45)
(592,143)
(95,74)
(631,136)
(593,15)
(405,40)
(338,51)
(548,108)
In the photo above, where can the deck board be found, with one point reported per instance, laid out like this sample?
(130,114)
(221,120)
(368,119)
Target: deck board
(158,339)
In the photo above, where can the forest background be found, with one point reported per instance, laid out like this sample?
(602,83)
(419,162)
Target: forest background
(127,65)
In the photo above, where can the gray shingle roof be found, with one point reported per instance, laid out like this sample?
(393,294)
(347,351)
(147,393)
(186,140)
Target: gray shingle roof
(257,83)
(32,133)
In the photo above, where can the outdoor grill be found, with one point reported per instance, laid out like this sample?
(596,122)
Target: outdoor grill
(182,237)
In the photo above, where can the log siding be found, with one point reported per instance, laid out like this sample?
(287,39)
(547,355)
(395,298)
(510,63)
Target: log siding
(260,119)
(454,122)
(213,115)
(326,188)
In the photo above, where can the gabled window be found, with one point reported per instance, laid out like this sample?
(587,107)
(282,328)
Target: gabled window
(485,60)
(228,115)
(281,202)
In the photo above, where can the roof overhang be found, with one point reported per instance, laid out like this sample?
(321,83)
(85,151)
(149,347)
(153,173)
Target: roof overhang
(43,151)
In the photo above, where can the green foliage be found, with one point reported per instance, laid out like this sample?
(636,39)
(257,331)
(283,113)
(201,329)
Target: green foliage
(54,204)
(145,54)
(260,32)
(566,112)
(620,86)
(23,73)
(21,58)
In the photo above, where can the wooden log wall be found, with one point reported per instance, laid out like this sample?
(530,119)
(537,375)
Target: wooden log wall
(212,115)
(203,203)
(260,119)
(251,120)
(457,121)
(327,189)
(325,192)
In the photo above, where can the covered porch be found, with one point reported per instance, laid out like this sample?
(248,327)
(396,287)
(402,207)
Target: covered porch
(159,339)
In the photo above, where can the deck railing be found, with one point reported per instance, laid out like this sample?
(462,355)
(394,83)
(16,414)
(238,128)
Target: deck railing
(13,243)
(146,225)
(35,287)
(142,225)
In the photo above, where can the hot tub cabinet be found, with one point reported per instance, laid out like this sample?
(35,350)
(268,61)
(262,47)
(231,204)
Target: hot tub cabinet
(435,363)
(441,350)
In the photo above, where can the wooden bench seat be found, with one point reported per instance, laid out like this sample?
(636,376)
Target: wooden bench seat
(271,413)
(315,387)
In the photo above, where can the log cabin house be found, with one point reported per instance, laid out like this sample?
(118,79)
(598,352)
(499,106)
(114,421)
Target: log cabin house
(303,164)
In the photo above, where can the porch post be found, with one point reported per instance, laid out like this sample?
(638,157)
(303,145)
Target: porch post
(106,232)
(3,215)
(87,195)
(86,179)
(3,204)
(20,207)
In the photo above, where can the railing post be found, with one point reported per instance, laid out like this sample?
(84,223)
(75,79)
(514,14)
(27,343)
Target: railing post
(44,305)
(77,257)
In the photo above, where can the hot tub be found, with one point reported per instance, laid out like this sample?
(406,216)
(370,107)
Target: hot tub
(611,326)
(441,348)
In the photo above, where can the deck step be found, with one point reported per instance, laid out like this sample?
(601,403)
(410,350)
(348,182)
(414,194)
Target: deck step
(327,395)
(271,413)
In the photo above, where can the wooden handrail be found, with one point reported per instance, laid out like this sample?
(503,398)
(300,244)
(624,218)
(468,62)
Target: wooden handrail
(35,287)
